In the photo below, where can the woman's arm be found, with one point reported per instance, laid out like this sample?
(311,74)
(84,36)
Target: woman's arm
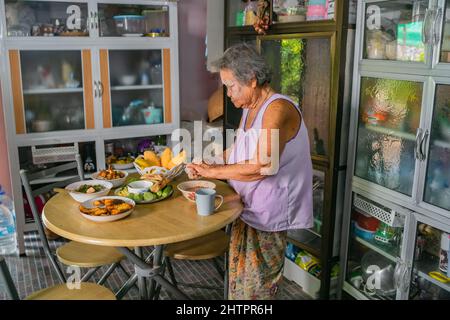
(277,119)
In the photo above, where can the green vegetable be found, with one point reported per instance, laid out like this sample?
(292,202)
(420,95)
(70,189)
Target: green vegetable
(159,193)
(148,196)
(140,197)
(167,190)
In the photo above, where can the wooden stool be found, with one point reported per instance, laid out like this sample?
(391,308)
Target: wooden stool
(87,291)
(210,246)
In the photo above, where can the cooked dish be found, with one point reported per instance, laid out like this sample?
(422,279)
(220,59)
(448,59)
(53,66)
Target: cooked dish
(88,188)
(110,174)
(107,207)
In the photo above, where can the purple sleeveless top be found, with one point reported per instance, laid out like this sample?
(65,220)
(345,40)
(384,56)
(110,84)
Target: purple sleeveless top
(282,201)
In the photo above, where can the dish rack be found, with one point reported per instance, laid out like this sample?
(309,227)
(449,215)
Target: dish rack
(386,215)
(54,154)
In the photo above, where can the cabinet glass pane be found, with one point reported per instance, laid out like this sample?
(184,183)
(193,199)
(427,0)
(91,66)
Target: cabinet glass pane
(430,262)
(437,187)
(52,90)
(445,46)
(302,10)
(373,243)
(136,87)
(241,13)
(302,70)
(394,30)
(133,20)
(45,18)
(389,116)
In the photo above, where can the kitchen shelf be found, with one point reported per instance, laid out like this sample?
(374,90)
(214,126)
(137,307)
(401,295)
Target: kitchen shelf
(427,264)
(306,240)
(147,87)
(391,132)
(387,252)
(52,91)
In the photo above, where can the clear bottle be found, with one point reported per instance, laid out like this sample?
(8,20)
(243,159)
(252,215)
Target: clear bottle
(8,241)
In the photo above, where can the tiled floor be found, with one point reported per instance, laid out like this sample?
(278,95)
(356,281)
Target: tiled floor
(34,272)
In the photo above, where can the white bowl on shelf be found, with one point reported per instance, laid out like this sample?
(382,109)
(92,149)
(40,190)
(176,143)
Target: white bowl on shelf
(82,197)
(128,79)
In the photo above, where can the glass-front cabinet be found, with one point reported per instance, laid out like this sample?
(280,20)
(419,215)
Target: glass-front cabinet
(302,70)
(86,71)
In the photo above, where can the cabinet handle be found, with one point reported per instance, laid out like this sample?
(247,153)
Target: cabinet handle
(429,13)
(96,20)
(423,143)
(92,20)
(416,145)
(100,85)
(437,23)
(95,89)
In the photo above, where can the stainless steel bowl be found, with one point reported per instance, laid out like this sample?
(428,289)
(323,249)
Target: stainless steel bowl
(382,269)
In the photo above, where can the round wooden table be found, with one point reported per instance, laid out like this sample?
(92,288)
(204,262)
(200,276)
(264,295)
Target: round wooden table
(172,220)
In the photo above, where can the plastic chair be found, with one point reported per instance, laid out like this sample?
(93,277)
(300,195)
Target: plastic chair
(87,291)
(72,253)
(211,246)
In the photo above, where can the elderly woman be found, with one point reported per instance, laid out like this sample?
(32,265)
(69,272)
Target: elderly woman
(275,200)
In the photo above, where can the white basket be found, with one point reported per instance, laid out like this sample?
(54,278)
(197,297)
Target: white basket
(386,215)
(170,174)
(55,154)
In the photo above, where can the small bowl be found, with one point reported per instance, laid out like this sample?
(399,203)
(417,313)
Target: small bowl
(115,182)
(128,80)
(139,186)
(188,188)
(82,197)
(89,204)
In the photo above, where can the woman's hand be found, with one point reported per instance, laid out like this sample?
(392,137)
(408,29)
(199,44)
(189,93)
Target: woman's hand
(196,171)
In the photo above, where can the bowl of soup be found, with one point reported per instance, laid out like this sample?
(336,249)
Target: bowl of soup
(188,188)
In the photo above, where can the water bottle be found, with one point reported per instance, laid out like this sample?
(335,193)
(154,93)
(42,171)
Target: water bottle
(8,242)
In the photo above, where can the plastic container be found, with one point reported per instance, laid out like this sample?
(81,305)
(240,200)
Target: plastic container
(128,25)
(8,241)
(157,21)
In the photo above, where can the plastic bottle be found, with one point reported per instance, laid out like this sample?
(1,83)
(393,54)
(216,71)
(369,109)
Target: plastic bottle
(8,241)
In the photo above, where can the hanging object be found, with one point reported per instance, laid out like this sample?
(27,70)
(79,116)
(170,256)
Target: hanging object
(263,17)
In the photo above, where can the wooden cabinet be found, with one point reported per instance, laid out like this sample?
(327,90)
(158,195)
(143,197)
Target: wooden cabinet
(85,72)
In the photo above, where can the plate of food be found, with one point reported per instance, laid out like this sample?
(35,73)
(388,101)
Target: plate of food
(82,191)
(116,177)
(121,163)
(146,196)
(106,209)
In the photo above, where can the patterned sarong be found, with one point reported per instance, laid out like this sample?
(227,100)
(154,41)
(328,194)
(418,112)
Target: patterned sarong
(256,262)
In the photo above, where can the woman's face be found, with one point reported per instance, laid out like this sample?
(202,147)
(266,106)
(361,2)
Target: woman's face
(241,95)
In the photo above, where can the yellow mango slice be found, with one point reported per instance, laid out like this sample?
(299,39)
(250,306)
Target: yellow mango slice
(166,156)
(152,158)
(180,158)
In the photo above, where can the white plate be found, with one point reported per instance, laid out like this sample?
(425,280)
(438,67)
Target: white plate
(144,202)
(82,197)
(89,204)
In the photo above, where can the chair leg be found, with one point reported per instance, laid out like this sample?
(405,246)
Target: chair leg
(89,274)
(55,265)
(225,278)
(5,276)
(171,273)
(107,273)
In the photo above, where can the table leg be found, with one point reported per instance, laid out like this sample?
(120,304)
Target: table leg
(157,259)
(142,281)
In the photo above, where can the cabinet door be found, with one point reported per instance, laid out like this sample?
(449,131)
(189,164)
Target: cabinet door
(437,181)
(135,87)
(389,117)
(119,19)
(430,261)
(52,90)
(398,30)
(444,55)
(46,18)
(302,71)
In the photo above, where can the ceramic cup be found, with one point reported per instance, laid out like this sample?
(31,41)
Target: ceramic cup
(205,198)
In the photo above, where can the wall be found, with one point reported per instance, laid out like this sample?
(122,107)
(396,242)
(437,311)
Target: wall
(196,83)
(5,180)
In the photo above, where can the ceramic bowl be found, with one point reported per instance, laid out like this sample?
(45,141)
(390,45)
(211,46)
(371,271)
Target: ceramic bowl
(90,204)
(115,182)
(82,197)
(128,80)
(188,188)
(139,186)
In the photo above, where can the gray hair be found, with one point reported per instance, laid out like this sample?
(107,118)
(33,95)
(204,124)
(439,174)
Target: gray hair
(245,63)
